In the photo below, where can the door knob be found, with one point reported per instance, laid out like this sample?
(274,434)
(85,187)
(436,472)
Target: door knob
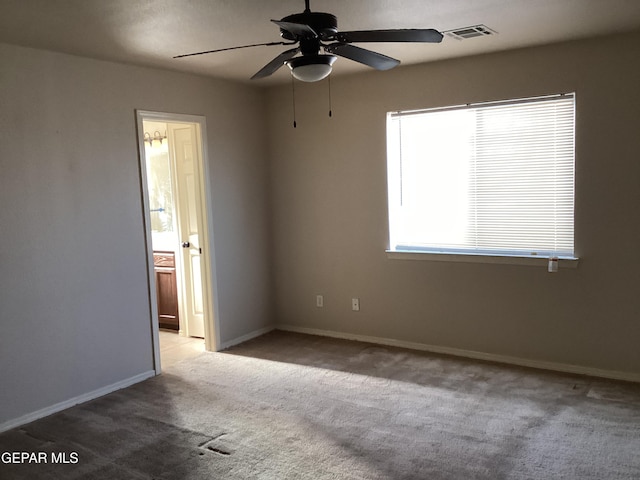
(186,244)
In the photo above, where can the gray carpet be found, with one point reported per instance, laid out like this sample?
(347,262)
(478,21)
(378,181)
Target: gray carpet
(290,406)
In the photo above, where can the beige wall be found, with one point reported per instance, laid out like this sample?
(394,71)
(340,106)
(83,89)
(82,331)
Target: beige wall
(330,213)
(74,307)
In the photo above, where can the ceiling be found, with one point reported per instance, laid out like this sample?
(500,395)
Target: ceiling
(151,32)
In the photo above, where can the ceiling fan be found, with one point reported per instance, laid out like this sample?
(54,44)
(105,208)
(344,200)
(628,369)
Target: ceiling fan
(316,31)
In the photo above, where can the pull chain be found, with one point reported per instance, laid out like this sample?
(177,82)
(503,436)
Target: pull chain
(293,98)
(400,154)
(330,113)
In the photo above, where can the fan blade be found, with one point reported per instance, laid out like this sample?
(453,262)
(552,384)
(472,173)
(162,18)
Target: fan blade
(276,63)
(428,35)
(297,29)
(235,48)
(372,59)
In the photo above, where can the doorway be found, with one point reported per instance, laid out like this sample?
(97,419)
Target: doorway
(177,226)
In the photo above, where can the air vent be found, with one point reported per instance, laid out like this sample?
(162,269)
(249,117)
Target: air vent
(470,32)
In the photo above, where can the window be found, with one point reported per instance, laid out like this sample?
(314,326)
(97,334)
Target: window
(491,179)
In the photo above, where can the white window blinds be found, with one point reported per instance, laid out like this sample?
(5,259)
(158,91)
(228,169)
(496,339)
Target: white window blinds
(492,179)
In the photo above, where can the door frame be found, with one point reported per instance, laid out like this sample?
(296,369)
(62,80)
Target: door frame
(209,281)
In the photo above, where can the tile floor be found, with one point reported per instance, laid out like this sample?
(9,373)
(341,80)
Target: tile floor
(175,348)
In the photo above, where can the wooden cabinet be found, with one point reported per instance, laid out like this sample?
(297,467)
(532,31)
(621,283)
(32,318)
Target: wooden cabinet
(164,264)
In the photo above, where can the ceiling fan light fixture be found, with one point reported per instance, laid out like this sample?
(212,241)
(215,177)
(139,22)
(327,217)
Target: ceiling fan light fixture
(311,68)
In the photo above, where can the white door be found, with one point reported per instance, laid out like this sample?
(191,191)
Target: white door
(183,139)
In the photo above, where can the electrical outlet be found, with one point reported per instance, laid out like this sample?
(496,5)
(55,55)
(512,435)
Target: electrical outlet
(355,304)
(319,301)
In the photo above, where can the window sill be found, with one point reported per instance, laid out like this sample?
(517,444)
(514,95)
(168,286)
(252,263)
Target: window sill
(563,262)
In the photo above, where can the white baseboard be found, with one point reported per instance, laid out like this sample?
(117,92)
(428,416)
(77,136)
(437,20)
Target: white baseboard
(522,362)
(44,412)
(248,336)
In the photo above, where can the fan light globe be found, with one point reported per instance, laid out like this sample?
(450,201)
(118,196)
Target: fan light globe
(311,68)
(311,72)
